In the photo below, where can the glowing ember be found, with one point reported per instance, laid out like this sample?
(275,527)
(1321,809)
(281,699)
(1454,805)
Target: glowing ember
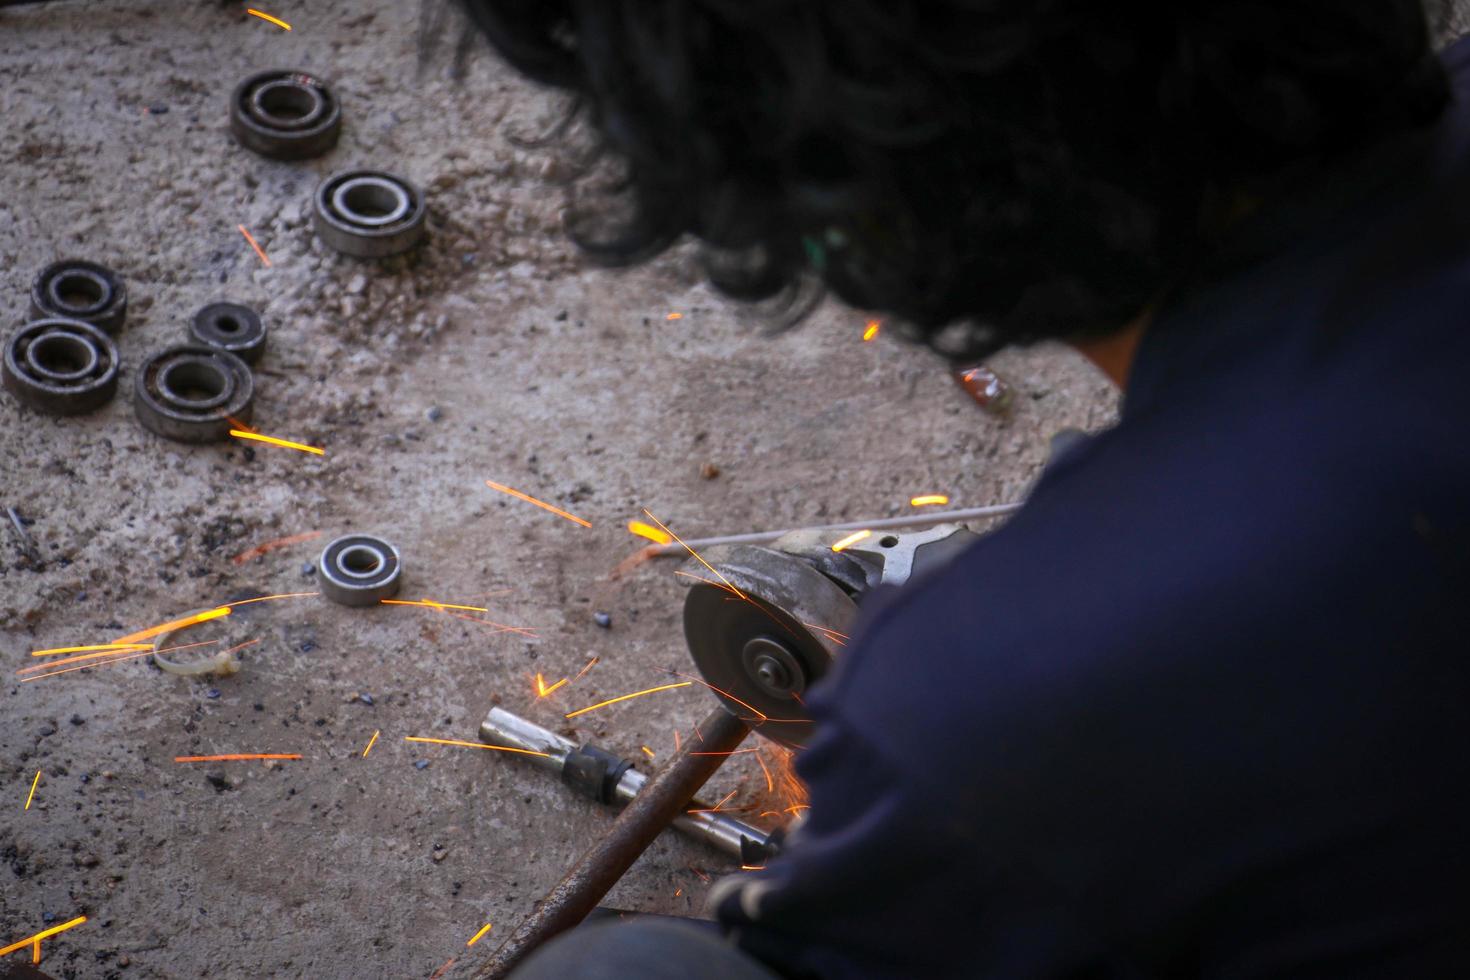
(269,546)
(647,751)
(539,503)
(273,441)
(175,624)
(371,742)
(674,316)
(542,690)
(33,789)
(274,20)
(648,531)
(473,745)
(851,540)
(929,499)
(476,938)
(44,934)
(871,332)
(235,757)
(258,250)
(626,697)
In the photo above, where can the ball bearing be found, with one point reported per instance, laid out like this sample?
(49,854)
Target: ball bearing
(230,327)
(359,570)
(193,393)
(75,289)
(59,366)
(369,214)
(285,115)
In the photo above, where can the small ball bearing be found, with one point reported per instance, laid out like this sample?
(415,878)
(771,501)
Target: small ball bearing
(63,367)
(285,115)
(230,327)
(75,289)
(193,393)
(369,214)
(359,570)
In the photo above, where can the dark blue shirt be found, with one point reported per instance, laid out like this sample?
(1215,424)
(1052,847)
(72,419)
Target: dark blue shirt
(1202,708)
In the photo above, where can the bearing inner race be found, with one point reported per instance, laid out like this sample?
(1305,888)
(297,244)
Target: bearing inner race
(79,292)
(287,103)
(371,202)
(62,357)
(194,384)
(361,561)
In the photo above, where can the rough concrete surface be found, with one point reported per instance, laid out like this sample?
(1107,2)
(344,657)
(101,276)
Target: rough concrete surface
(490,354)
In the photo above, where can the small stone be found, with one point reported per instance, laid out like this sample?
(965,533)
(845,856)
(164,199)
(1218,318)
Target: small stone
(440,853)
(435,413)
(602,619)
(307,646)
(366,699)
(77,720)
(308,569)
(108,774)
(124,960)
(219,781)
(709,471)
(357,284)
(421,764)
(212,693)
(157,109)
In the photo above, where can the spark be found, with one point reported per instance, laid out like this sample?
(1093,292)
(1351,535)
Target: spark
(430,603)
(770,786)
(473,745)
(235,757)
(732,752)
(647,751)
(33,789)
(826,629)
(752,867)
(44,934)
(539,503)
(851,540)
(590,664)
(268,598)
(795,807)
(928,499)
(678,892)
(484,929)
(702,876)
(674,316)
(499,627)
(871,332)
(706,564)
(258,250)
(443,969)
(371,742)
(274,20)
(718,690)
(648,531)
(272,440)
(285,542)
(716,807)
(625,697)
(542,690)
(676,740)
(98,662)
(109,647)
(175,624)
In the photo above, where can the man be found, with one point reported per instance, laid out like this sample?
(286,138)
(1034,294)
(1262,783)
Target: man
(1199,708)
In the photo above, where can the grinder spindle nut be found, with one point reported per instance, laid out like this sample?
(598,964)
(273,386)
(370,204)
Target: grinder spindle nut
(64,367)
(285,115)
(369,214)
(193,393)
(75,289)
(230,327)
(359,570)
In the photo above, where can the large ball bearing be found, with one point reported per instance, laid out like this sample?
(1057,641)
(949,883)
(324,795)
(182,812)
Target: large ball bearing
(359,570)
(64,367)
(75,289)
(285,115)
(369,214)
(193,393)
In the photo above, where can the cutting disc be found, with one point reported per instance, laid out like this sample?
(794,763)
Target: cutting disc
(762,629)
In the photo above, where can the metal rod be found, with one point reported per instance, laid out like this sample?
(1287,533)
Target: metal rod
(881,524)
(594,874)
(501,727)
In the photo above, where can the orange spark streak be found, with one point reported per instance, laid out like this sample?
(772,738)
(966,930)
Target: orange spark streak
(174,624)
(235,757)
(752,867)
(826,629)
(272,440)
(44,934)
(702,876)
(796,806)
(274,20)
(542,690)
(647,751)
(648,531)
(716,807)
(539,503)
(430,603)
(678,892)
(483,930)
(707,581)
(258,250)
(927,499)
(285,542)
(676,740)
(732,752)
(147,649)
(33,789)
(473,745)
(706,564)
(871,332)
(109,647)
(590,664)
(770,786)
(674,316)
(499,627)
(371,742)
(443,969)
(268,598)
(697,680)
(851,540)
(625,697)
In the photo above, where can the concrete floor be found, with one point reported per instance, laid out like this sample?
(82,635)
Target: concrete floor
(569,384)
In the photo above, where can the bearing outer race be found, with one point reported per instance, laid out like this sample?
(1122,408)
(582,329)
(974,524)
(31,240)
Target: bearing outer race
(284,143)
(108,317)
(60,398)
(361,241)
(248,345)
(186,426)
(354,590)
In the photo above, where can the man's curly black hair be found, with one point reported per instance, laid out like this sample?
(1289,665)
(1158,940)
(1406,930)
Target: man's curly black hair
(988,172)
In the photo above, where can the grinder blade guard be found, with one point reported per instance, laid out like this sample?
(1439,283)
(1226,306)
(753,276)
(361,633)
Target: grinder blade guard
(767,624)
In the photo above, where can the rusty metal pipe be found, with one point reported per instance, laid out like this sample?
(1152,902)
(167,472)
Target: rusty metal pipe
(645,817)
